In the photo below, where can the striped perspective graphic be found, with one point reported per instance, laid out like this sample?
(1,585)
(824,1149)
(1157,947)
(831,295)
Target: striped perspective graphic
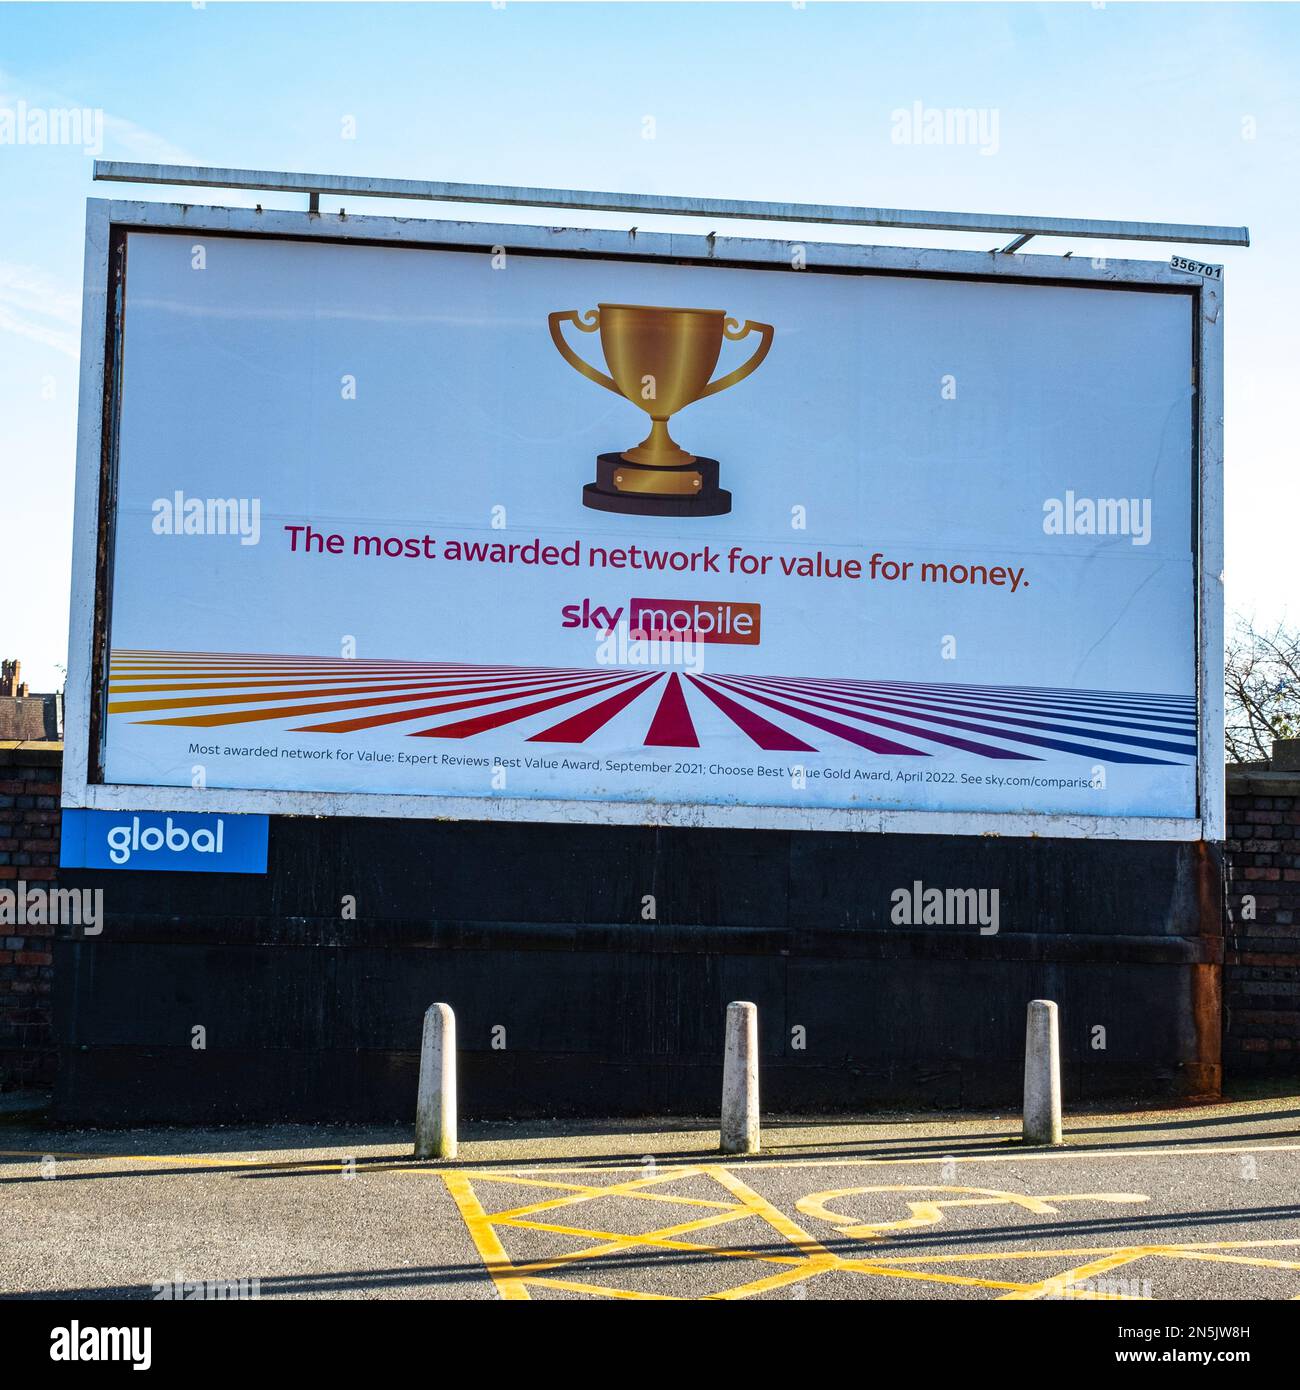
(655,708)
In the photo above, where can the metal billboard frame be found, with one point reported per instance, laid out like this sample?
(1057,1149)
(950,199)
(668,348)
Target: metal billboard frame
(95,498)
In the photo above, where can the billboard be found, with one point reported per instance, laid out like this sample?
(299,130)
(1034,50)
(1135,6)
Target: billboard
(509,523)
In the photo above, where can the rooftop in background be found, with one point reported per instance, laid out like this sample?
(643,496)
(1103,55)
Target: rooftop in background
(25,717)
(1279,776)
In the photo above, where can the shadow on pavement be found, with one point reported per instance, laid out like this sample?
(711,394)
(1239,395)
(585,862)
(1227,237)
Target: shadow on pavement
(913,1244)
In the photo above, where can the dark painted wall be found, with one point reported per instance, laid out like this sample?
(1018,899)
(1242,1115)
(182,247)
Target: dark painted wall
(538,930)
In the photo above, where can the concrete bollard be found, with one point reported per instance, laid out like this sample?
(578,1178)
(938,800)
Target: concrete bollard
(740,1081)
(435,1102)
(1042,1121)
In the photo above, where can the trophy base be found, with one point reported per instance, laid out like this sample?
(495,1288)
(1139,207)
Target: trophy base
(641,490)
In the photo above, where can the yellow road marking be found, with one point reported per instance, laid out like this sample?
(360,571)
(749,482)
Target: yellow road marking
(1058,1284)
(1013,1156)
(812,1258)
(632,1188)
(930,1213)
(819,1259)
(479,1225)
(774,1217)
(210,1159)
(401,1163)
(660,1175)
(1074,1251)
(926,1276)
(808,1257)
(613,1241)
(602,1290)
(1187,1253)
(775,1281)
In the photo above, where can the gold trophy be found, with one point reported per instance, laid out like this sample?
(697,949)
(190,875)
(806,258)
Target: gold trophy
(661,360)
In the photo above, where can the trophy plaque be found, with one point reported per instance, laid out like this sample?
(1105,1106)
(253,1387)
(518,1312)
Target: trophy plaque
(661,360)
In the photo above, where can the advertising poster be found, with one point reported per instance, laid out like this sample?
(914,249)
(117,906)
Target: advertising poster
(458,523)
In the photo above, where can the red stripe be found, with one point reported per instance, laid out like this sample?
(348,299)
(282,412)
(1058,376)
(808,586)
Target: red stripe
(671,727)
(986,750)
(224,717)
(578,728)
(410,690)
(765,734)
(466,728)
(833,726)
(347,726)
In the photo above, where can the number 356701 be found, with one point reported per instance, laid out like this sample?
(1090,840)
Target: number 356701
(1211,272)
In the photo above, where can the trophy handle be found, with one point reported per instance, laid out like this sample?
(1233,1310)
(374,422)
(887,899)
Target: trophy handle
(571,357)
(734,333)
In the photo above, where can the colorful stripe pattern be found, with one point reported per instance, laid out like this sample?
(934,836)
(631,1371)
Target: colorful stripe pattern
(647,708)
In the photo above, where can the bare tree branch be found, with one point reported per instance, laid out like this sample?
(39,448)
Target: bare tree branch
(1261,688)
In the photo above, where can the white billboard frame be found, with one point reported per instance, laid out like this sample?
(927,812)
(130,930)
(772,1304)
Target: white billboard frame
(105,217)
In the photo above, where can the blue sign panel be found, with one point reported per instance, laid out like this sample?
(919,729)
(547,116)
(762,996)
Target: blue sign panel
(172,841)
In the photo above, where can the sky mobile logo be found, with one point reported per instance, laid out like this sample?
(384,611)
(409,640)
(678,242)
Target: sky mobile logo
(126,840)
(679,620)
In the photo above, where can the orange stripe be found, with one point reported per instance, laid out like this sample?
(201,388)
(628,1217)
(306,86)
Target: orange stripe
(413,690)
(206,721)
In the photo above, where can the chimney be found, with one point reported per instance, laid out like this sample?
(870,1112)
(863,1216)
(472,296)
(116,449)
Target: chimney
(9,673)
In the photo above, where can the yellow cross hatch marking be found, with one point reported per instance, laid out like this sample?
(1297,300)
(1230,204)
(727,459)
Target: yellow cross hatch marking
(797,1255)
(802,1256)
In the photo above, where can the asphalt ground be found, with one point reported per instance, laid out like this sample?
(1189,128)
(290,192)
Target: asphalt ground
(1190,1203)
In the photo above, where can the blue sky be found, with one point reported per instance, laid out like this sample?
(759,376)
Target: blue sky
(1174,112)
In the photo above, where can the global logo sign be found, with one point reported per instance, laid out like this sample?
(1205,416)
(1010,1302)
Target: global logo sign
(176,841)
(126,840)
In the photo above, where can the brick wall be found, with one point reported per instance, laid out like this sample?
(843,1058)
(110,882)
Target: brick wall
(29,853)
(1261,984)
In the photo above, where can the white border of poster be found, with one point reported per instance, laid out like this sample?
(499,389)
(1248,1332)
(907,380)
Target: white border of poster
(105,217)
